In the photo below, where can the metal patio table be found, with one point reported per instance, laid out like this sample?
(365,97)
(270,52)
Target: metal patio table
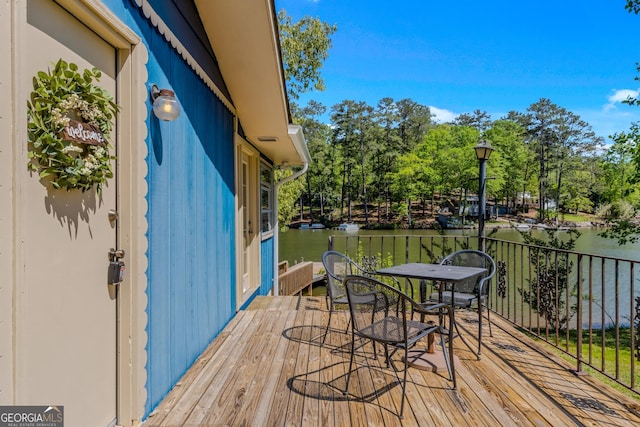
(424,358)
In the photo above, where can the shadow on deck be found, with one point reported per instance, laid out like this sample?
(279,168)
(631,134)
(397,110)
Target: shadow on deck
(269,368)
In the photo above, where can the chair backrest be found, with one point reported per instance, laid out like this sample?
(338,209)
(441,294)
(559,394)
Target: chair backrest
(337,266)
(378,311)
(472,258)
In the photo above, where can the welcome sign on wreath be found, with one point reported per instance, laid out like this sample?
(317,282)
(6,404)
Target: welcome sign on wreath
(70,120)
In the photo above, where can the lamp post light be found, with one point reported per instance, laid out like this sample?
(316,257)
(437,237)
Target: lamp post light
(483,152)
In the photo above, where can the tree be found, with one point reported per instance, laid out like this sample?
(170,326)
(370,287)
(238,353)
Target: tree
(451,159)
(352,130)
(618,165)
(386,151)
(625,229)
(559,138)
(512,161)
(414,121)
(305,46)
(288,194)
(480,120)
(320,177)
(633,6)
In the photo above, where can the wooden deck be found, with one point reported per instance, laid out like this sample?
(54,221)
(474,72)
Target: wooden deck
(268,368)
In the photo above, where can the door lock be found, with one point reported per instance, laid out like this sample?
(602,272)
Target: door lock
(115,273)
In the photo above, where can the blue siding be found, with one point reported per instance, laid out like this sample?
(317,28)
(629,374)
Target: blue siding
(191,218)
(191,215)
(266,271)
(267,262)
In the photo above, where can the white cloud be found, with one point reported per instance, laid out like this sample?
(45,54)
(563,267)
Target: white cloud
(609,121)
(620,95)
(441,115)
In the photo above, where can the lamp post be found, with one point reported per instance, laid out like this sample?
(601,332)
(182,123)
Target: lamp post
(483,152)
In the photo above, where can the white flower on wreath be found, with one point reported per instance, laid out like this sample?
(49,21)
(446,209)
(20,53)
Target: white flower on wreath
(72,149)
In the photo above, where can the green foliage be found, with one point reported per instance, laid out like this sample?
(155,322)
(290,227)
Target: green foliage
(617,352)
(57,95)
(550,283)
(392,153)
(305,46)
(443,247)
(372,263)
(623,230)
(624,164)
(633,6)
(561,141)
(288,194)
(516,166)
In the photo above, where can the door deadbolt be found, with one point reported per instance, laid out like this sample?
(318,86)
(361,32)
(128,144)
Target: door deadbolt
(115,255)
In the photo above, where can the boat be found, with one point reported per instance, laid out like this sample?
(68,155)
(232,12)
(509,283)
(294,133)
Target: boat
(348,226)
(522,227)
(449,221)
(313,226)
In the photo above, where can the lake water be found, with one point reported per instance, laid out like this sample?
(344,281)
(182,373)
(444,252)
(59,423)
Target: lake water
(309,245)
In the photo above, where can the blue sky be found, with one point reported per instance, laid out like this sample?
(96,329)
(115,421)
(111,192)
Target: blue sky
(495,56)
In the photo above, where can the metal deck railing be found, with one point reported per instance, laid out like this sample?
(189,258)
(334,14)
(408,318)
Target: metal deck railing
(587,306)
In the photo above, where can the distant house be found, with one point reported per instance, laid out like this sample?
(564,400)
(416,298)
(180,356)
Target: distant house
(190,210)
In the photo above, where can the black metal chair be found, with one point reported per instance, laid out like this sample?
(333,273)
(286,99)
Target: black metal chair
(470,293)
(338,266)
(386,317)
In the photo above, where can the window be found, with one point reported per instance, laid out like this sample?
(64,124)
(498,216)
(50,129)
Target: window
(266,198)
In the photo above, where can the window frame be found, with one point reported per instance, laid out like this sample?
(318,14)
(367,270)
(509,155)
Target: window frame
(267,186)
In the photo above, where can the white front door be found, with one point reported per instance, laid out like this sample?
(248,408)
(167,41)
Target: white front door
(247,226)
(249,256)
(66,311)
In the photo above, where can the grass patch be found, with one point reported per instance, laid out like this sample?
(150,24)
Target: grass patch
(602,358)
(574,217)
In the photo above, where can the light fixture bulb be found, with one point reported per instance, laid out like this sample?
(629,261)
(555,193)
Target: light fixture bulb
(165,105)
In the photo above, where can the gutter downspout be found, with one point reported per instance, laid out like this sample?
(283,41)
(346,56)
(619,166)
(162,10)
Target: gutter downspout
(297,137)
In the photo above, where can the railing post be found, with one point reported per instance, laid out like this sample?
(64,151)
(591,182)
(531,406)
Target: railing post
(578,315)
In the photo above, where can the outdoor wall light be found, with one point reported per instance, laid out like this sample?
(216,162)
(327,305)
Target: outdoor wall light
(165,105)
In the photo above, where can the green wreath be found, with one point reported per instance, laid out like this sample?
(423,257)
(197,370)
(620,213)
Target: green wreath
(59,97)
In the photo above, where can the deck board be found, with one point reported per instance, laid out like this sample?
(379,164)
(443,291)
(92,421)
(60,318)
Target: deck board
(269,367)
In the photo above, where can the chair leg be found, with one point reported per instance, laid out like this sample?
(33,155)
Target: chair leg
(489,321)
(479,328)
(326,331)
(353,349)
(404,383)
(448,355)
